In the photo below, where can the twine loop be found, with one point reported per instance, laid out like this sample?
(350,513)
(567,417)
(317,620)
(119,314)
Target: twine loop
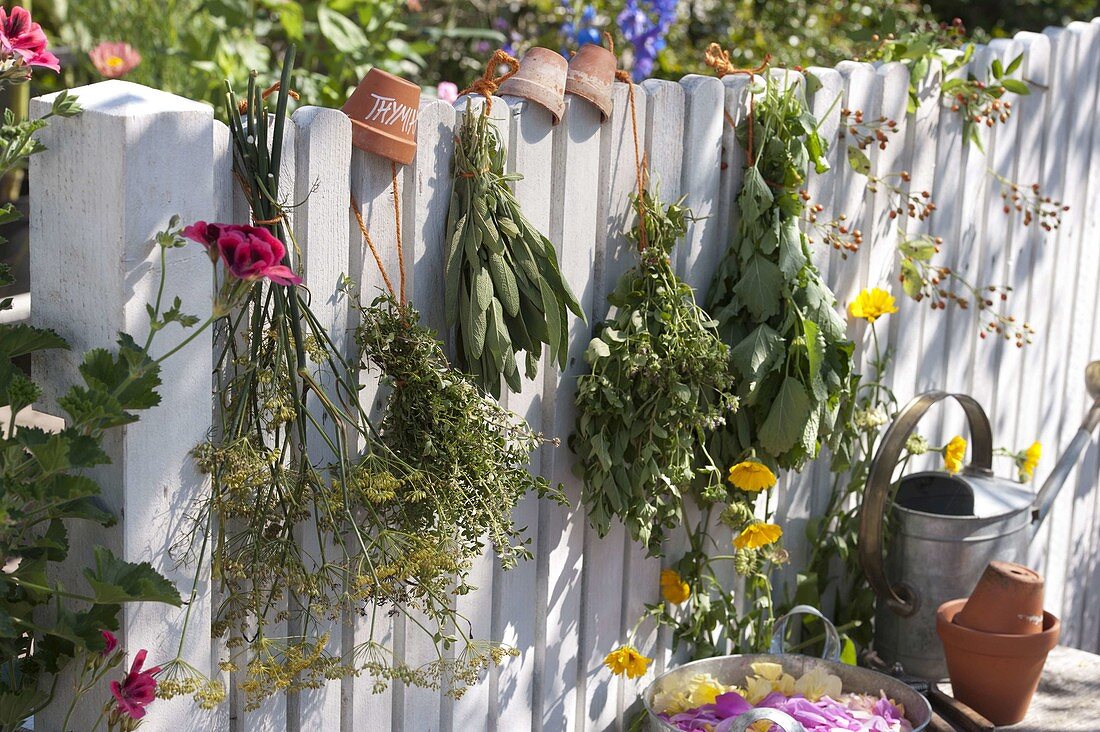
(639,161)
(242,107)
(374,250)
(489,82)
(718,59)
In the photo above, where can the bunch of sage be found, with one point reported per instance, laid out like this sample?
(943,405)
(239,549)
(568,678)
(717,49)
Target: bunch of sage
(504,290)
(660,383)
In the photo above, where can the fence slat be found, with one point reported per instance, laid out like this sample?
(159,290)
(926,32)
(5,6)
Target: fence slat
(322,151)
(135,157)
(515,617)
(1040,410)
(560,540)
(664,121)
(704,126)
(473,709)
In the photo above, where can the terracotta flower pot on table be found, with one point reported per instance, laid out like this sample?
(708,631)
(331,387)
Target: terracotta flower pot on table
(996,674)
(1007,599)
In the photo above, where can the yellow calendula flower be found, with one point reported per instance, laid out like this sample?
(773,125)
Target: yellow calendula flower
(1029,460)
(752,476)
(627,660)
(673,587)
(757,535)
(953,454)
(816,683)
(872,304)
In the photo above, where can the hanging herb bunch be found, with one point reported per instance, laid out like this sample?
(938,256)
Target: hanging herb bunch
(467,453)
(660,382)
(311,515)
(788,344)
(504,290)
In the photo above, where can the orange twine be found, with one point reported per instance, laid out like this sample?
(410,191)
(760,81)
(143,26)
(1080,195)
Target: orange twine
(488,84)
(719,59)
(374,250)
(242,106)
(639,163)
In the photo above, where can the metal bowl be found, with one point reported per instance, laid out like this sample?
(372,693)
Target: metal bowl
(733,670)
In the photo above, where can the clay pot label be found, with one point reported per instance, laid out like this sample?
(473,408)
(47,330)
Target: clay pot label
(389,112)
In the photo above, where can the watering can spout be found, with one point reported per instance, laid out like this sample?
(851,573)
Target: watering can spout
(1045,499)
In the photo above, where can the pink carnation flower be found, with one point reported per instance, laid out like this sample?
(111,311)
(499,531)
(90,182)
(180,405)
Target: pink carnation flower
(138,689)
(248,252)
(21,37)
(113,59)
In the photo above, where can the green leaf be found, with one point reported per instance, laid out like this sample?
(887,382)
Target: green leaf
(344,34)
(787,419)
(858,160)
(791,256)
(910,278)
(815,346)
(20,339)
(116,581)
(757,354)
(596,350)
(1016,86)
(760,288)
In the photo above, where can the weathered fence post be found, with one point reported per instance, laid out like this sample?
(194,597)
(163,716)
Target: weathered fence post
(110,180)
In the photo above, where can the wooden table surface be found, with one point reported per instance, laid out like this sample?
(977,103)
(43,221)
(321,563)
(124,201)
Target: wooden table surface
(1068,699)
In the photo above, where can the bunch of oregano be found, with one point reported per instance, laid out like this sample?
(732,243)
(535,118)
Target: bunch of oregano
(504,290)
(660,382)
(468,453)
(788,345)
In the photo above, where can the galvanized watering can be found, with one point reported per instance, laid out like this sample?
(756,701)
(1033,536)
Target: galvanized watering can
(946,528)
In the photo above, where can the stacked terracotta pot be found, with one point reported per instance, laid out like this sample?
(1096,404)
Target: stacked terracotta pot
(997,640)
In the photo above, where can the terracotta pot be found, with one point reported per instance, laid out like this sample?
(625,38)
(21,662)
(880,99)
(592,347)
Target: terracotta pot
(591,76)
(383,111)
(540,79)
(994,673)
(1007,599)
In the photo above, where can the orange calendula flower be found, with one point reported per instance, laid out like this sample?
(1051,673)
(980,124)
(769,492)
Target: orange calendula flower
(953,454)
(673,587)
(752,476)
(627,660)
(872,304)
(1029,460)
(757,535)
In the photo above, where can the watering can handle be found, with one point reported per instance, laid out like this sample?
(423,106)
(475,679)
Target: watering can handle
(901,598)
(831,651)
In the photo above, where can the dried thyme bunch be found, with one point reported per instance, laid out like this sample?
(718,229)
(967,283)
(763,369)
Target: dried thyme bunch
(470,454)
(660,382)
(504,290)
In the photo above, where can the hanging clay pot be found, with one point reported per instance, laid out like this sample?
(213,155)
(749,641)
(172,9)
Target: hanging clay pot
(383,111)
(540,79)
(591,76)
(994,673)
(1007,599)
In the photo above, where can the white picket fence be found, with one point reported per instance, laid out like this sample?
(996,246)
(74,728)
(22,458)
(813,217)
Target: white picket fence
(114,176)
